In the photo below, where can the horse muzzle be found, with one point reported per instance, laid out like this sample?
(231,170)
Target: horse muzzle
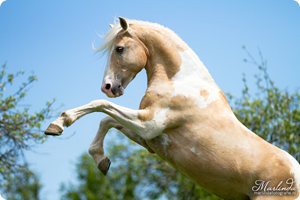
(112,89)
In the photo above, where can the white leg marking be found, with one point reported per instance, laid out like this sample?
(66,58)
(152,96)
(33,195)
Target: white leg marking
(59,122)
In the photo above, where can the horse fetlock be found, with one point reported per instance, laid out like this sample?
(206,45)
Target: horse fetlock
(95,150)
(68,118)
(103,163)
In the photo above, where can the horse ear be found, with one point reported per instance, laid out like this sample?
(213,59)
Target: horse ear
(123,23)
(111,26)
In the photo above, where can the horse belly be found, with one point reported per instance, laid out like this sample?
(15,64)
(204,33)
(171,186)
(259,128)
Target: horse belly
(201,165)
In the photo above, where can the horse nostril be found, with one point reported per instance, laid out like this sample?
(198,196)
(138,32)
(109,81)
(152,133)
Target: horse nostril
(107,86)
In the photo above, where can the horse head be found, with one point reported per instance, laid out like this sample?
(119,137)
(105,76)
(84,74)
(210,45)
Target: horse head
(127,57)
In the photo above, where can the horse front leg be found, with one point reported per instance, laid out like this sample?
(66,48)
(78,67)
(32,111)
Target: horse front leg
(96,148)
(124,119)
(67,118)
(129,118)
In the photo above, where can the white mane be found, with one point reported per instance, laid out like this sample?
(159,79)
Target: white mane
(116,27)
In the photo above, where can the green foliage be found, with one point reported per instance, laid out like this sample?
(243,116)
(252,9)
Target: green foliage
(271,113)
(134,174)
(19,129)
(92,184)
(25,185)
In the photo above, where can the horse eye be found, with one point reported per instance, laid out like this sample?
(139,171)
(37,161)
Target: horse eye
(119,48)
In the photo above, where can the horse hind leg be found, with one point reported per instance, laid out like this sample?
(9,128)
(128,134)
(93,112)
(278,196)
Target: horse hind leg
(96,148)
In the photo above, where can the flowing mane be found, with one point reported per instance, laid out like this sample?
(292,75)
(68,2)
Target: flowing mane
(116,28)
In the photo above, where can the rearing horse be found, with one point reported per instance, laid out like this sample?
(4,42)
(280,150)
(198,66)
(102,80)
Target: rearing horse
(184,117)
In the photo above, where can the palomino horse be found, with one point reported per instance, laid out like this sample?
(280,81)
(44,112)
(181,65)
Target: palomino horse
(184,118)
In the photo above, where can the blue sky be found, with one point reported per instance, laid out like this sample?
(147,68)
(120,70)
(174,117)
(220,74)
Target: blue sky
(54,38)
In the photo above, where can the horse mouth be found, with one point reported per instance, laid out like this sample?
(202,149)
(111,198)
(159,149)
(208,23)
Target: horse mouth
(111,94)
(112,89)
(116,95)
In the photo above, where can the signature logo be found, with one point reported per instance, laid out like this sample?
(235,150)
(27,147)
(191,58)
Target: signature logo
(262,188)
(1,1)
(298,1)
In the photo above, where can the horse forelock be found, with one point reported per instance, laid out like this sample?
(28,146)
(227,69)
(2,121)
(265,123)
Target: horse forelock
(110,37)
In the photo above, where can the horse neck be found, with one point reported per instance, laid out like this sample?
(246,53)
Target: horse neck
(170,59)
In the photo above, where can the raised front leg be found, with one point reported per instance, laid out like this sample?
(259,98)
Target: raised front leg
(96,148)
(127,117)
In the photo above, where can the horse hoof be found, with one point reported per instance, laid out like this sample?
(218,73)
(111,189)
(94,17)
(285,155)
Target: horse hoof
(53,130)
(104,165)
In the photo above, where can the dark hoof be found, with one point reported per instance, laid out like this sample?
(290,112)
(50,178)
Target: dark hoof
(104,165)
(53,130)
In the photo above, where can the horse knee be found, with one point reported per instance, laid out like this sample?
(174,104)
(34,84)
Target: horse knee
(107,122)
